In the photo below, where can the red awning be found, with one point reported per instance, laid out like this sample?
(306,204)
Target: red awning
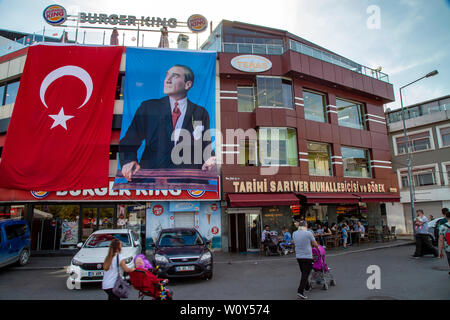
(313,197)
(262,199)
(377,197)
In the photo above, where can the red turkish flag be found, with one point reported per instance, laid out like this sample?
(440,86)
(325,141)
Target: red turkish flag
(59,134)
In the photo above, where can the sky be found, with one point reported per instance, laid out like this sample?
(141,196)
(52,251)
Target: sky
(407,38)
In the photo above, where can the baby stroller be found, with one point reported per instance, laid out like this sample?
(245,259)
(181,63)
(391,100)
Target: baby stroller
(270,243)
(149,285)
(321,273)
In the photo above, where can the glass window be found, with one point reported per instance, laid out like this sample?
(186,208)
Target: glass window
(350,114)
(102,240)
(247,153)
(445,136)
(11,92)
(2,94)
(277,146)
(420,178)
(274,92)
(416,142)
(246,99)
(355,162)
(319,159)
(314,106)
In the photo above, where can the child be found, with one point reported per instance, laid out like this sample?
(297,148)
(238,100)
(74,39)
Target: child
(344,235)
(287,241)
(144,280)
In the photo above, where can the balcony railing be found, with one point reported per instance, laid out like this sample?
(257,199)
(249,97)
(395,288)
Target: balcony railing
(252,48)
(416,112)
(337,60)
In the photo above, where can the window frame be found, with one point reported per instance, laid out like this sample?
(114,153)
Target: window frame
(330,166)
(362,113)
(432,167)
(445,173)
(324,102)
(439,136)
(260,149)
(409,134)
(253,96)
(369,166)
(257,102)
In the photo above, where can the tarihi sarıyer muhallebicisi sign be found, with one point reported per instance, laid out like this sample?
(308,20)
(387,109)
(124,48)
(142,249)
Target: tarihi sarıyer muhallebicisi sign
(305,186)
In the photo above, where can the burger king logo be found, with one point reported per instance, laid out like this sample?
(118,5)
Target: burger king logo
(197,23)
(55,15)
(40,194)
(196,193)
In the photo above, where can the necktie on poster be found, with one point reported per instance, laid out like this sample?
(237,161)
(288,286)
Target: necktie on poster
(60,130)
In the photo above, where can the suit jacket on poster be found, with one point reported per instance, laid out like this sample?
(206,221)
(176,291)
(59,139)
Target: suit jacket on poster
(153,123)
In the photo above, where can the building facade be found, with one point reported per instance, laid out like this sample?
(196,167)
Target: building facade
(428,135)
(60,220)
(301,126)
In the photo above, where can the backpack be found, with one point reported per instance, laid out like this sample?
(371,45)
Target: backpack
(439,223)
(447,233)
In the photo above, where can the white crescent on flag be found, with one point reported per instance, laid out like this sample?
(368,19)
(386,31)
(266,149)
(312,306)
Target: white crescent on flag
(75,71)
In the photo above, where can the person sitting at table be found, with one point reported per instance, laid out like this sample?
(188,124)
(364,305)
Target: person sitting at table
(360,228)
(326,233)
(334,228)
(319,234)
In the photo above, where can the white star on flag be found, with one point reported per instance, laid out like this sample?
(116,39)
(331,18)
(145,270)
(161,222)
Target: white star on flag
(60,119)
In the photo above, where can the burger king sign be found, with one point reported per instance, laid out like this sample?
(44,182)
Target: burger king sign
(197,23)
(55,15)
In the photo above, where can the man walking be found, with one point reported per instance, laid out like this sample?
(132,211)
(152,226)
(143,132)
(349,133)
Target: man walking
(444,238)
(304,240)
(423,241)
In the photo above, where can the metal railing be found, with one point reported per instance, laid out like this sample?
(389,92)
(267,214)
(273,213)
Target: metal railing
(252,48)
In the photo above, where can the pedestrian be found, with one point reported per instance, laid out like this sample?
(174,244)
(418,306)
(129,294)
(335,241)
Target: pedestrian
(430,217)
(304,240)
(440,222)
(423,241)
(344,235)
(112,260)
(444,238)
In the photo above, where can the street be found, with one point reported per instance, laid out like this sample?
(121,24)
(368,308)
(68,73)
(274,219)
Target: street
(264,278)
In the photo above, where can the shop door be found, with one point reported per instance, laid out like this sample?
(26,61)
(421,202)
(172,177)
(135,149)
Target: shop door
(253,231)
(184,220)
(245,232)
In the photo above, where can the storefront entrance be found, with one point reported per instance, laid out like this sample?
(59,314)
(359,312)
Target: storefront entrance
(245,231)
(96,218)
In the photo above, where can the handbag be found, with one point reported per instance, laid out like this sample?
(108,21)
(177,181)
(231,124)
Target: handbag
(121,287)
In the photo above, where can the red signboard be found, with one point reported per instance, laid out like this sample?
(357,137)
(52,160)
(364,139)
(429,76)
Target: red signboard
(105,194)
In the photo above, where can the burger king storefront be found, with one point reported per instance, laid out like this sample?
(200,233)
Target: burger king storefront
(60,220)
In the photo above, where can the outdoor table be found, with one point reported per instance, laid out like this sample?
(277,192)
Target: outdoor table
(358,233)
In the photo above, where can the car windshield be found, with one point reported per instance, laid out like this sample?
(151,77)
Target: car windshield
(180,239)
(102,240)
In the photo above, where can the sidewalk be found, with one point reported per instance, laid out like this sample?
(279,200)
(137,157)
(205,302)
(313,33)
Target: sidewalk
(55,261)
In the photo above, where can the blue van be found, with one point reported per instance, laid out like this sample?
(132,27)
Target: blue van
(14,242)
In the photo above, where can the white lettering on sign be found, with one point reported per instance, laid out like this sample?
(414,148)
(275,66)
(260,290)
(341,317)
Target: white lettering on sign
(251,63)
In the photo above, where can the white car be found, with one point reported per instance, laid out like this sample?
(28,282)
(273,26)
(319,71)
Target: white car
(87,264)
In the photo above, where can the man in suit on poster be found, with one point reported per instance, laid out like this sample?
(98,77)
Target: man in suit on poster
(162,124)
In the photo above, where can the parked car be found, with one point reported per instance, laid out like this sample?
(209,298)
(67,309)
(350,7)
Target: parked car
(14,242)
(182,252)
(87,264)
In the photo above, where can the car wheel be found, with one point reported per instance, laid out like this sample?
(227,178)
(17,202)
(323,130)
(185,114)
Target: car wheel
(209,276)
(24,257)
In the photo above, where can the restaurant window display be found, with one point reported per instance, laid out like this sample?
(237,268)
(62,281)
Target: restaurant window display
(55,227)
(12,212)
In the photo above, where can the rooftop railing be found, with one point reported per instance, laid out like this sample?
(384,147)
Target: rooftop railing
(252,48)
